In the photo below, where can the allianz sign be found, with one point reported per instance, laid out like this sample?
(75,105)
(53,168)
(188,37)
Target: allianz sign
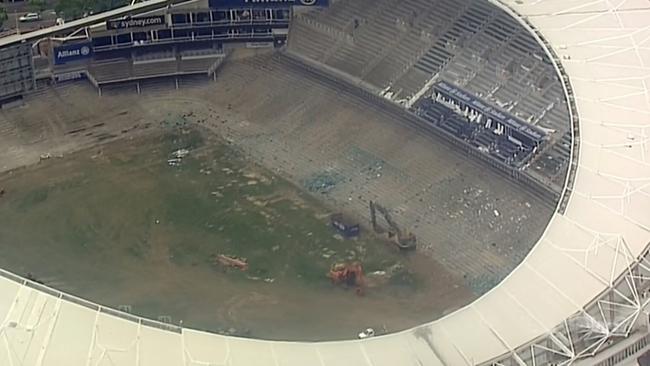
(73,52)
(83,51)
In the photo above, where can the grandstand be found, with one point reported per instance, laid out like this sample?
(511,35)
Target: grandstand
(398,52)
(470,119)
(178,41)
(580,297)
(17,77)
(403,47)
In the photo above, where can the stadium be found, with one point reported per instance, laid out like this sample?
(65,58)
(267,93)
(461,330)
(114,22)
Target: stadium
(509,137)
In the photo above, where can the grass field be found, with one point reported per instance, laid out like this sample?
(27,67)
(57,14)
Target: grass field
(131,223)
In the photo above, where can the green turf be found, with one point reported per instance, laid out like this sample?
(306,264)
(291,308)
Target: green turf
(130,203)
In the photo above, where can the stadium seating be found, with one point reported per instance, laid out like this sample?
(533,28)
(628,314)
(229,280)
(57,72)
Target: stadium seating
(111,71)
(200,53)
(151,69)
(164,55)
(402,46)
(165,62)
(315,46)
(197,65)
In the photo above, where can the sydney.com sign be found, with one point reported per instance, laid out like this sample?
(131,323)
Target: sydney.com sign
(266,3)
(140,22)
(72,52)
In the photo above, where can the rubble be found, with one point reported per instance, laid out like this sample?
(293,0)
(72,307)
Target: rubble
(322,183)
(180,153)
(232,261)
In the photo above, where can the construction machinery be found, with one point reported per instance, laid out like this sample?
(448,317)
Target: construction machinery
(403,239)
(344,225)
(350,274)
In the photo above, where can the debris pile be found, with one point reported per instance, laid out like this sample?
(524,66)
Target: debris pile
(322,183)
(232,261)
(177,157)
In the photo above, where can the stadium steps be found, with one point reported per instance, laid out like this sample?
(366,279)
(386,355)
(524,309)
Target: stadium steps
(341,14)
(377,39)
(157,86)
(191,81)
(110,71)
(309,42)
(410,41)
(467,42)
(152,69)
(197,65)
(7,128)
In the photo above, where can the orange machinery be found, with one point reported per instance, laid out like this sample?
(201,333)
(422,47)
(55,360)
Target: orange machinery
(350,274)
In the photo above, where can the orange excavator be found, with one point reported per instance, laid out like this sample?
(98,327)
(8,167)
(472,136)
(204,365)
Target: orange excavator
(349,274)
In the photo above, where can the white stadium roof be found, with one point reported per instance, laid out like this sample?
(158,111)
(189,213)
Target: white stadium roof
(604,47)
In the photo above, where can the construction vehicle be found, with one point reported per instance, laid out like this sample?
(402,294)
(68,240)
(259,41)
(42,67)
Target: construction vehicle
(404,240)
(350,274)
(345,226)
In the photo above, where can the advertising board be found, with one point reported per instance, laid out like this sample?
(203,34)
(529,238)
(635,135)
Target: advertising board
(69,76)
(139,22)
(72,52)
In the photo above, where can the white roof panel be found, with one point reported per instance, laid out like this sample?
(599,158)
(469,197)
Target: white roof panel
(115,341)
(206,347)
(420,340)
(507,317)
(466,327)
(540,299)
(390,350)
(73,322)
(245,352)
(8,289)
(28,325)
(159,348)
(555,267)
(288,354)
(342,353)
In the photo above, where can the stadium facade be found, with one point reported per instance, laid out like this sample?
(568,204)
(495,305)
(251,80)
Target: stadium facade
(579,297)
